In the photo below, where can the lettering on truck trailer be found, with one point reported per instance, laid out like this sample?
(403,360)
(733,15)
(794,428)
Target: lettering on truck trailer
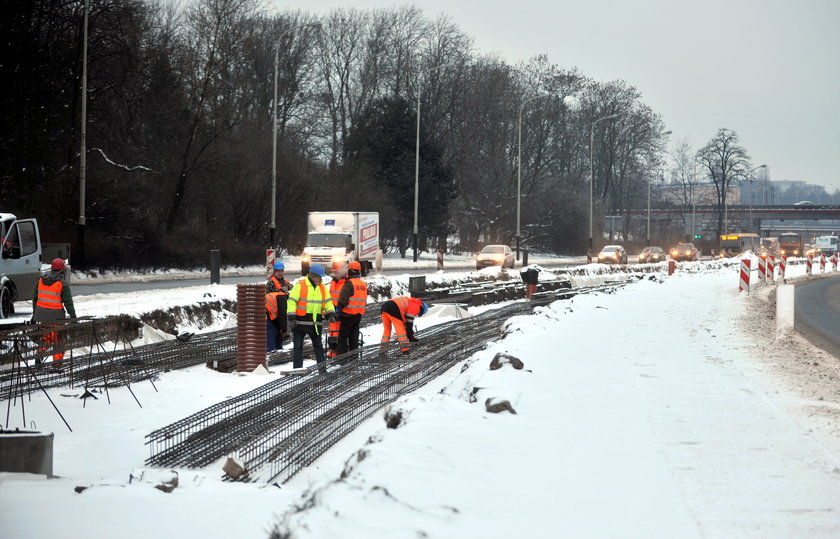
(368,235)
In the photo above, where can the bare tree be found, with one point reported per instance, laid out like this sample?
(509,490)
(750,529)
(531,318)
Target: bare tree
(724,161)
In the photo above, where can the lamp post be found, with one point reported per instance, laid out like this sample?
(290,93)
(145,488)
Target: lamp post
(415,230)
(591,171)
(83,138)
(648,209)
(316,25)
(519,170)
(750,179)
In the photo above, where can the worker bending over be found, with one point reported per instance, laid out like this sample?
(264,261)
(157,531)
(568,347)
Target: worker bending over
(399,313)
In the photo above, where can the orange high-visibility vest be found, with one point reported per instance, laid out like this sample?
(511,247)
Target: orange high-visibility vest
(302,302)
(358,301)
(271,304)
(409,307)
(335,290)
(49,297)
(277,284)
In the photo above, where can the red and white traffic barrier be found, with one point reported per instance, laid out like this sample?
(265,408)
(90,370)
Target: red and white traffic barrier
(270,256)
(835,259)
(809,265)
(771,268)
(744,283)
(822,262)
(440,259)
(762,269)
(782,267)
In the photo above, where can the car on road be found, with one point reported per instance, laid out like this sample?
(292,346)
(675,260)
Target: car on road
(685,251)
(612,254)
(652,254)
(804,203)
(495,255)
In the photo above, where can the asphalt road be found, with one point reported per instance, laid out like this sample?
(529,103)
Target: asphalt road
(817,312)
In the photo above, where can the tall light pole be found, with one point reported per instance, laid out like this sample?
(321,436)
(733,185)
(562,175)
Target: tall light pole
(519,170)
(648,211)
(416,230)
(83,137)
(316,25)
(591,171)
(750,179)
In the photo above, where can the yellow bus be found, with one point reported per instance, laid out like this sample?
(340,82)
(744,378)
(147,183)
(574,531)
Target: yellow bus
(735,244)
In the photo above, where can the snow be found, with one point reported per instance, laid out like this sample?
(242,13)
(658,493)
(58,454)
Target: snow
(665,409)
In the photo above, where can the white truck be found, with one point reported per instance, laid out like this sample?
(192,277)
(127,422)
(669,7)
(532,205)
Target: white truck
(341,236)
(20,260)
(826,245)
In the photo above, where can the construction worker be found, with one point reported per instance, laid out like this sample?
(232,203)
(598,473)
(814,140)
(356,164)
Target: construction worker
(51,298)
(276,294)
(399,313)
(308,306)
(338,280)
(351,305)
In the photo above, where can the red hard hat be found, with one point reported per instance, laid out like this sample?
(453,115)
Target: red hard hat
(354,265)
(57,264)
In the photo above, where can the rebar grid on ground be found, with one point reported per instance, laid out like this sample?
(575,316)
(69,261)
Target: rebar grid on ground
(289,422)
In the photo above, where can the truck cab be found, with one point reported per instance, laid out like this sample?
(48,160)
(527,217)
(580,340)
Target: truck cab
(328,244)
(20,260)
(341,237)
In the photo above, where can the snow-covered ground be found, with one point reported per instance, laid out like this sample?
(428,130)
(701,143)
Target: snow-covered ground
(666,409)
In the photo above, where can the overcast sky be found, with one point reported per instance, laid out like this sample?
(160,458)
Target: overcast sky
(768,69)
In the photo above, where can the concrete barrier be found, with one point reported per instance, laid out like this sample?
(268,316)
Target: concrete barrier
(24,451)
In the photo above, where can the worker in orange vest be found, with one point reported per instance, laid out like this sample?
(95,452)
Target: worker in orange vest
(337,283)
(307,308)
(352,302)
(276,293)
(52,297)
(399,313)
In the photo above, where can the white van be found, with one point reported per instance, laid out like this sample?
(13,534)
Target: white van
(20,260)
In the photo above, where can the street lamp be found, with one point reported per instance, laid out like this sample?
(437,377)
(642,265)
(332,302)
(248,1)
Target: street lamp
(417,161)
(750,179)
(648,212)
(519,170)
(591,172)
(316,25)
(83,137)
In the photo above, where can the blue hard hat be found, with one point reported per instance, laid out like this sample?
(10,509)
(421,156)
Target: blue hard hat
(423,308)
(279,265)
(317,269)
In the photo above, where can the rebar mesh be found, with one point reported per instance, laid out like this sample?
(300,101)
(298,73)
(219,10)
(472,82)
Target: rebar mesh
(286,424)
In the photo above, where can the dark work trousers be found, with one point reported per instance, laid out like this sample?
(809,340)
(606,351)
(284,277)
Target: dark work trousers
(348,333)
(274,330)
(301,331)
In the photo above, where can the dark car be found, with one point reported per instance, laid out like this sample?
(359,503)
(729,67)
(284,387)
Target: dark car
(652,254)
(612,254)
(685,251)
(495,255)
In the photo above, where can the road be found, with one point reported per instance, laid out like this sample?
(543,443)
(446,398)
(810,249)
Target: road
(125,287)
(817,312)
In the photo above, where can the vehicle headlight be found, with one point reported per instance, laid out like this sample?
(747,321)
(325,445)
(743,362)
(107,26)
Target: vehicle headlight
(304,258)
(498,258)
(338,258)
